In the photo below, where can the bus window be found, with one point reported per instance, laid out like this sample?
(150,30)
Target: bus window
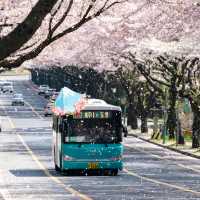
(91,131)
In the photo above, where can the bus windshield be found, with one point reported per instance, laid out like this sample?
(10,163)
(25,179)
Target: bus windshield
(91,131)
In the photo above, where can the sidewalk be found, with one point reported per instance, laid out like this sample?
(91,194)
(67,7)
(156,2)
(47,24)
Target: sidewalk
(169,144)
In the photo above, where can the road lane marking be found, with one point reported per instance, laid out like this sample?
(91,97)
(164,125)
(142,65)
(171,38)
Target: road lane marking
(162,158)
(45,170)
(33,110)
(160,182)
(55,179)
(4,192)
(127,145)
(146,178)
(184,189)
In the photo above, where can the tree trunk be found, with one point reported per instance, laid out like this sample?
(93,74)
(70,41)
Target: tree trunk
(142,112)
(132,116)
(180,137)
(171,120)
(144,127)
(195,126)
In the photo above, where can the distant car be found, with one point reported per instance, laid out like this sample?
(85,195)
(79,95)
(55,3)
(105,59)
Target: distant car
(49,92)
(18,99)
(54,96)
(48,109)
(7,87)
(1,84)
(43,89)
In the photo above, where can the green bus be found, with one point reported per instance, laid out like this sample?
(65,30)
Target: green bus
(88,138)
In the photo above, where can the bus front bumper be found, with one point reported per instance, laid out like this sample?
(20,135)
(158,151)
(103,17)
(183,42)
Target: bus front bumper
(92,165)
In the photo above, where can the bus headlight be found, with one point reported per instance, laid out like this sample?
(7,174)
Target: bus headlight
(67,158)
(116,158)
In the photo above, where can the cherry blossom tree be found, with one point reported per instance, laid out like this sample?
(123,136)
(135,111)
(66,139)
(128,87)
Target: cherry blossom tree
(46,22)
(161,26)
(139,25)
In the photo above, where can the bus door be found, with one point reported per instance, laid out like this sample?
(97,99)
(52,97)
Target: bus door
(57,143)
(59,139)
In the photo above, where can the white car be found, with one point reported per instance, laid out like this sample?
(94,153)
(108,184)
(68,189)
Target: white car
(7,87)
(48,109)
(54,96)
(43,89)
(18,99)
(49,93)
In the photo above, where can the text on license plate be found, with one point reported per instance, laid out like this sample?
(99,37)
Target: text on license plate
(93,165)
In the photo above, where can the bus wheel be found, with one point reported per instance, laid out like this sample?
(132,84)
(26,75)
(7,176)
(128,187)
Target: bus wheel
(57,168)
(106,172)
(114,172)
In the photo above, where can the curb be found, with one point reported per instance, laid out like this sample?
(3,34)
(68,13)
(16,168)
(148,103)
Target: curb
(166,147)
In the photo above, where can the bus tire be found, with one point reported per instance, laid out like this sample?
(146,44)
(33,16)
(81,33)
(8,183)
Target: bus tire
(61,170)
(57,168)
(114,172)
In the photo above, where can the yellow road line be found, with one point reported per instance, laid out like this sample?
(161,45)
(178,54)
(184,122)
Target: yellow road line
(184,189)
(145,178)
(162,158)
(4,192)
(42,167)
(33,110)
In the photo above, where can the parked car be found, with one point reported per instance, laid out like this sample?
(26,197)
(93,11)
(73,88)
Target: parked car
(48,109)
(43,89)
(49,92)
(18,99)
(7,87)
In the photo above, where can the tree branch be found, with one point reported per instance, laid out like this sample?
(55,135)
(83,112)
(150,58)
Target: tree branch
(25,30)
(63,17)
(32,54)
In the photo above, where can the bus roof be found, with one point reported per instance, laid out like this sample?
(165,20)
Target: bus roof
(70,102)
(99,104)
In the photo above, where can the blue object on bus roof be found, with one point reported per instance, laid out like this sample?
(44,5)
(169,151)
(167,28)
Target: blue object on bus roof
(66,100)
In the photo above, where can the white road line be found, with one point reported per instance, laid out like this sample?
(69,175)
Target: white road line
(160,182)
(184,189)
(162,158)
(46,171)
(33,110)
(4,192)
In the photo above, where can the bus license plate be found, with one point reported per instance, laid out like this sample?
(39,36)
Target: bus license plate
(93,165)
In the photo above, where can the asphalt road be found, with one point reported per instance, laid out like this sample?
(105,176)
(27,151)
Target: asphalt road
(27,171)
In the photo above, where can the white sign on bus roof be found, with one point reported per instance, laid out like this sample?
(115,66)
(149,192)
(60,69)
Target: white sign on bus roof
(99,104)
